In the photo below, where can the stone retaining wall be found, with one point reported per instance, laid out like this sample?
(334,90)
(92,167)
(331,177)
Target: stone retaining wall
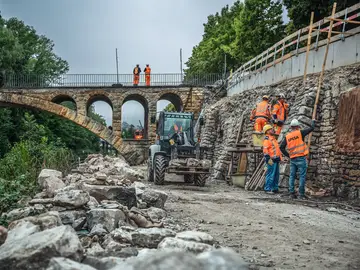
(330,168)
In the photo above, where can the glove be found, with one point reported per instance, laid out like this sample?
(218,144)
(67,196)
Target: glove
(270,162)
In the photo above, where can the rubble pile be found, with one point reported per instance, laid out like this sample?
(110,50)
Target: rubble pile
(329,168)
(102,217)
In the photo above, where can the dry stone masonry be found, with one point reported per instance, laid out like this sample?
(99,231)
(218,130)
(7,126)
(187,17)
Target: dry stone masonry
(332,169)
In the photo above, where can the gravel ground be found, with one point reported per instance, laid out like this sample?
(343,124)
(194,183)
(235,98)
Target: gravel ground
(269,231)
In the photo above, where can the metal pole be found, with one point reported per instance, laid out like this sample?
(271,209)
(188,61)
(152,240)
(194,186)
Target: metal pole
(344,25)
(308,45)
(117,67)
(181,68)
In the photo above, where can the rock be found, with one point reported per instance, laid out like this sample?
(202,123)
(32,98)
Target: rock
(110,205)
(205,163)
(195,236)
(139,187)
(104,263)
(154,198)
(40,201)
(182,245)
(124,195)
(36,250)
(121,236)
(96,250)
(68,217)
(156,214)
(151,237)
(72,198)
(192,162)
(222,259)
(3,235)
(66,264)
(51,184)
(306,242)
(100,176)
(79,223)
(45,221)
(168,260)
(109,218)
(47,173)
(92,203)
(125,170)
(86,241)
(21,230)
(25,212)
(98,230)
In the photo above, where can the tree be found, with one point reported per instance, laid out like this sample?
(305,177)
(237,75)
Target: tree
(299,11)
(170,108)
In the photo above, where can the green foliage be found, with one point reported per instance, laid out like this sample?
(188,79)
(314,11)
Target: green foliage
(241,32)
(170,108)
(299,11)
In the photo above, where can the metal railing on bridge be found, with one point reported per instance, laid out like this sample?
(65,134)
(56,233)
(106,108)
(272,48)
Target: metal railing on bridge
(107,80)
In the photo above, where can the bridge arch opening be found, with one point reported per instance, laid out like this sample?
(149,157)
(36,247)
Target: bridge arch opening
(100,105)
(169,102)
(134,118)
(65,100)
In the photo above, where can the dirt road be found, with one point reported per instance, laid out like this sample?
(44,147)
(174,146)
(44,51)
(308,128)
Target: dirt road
(269,234)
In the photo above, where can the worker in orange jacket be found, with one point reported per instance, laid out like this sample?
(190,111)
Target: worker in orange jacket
(147,71)
(272,155)
(136,73)
(261,114)
(280,113)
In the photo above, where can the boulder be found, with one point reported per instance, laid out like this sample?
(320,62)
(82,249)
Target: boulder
(22,229)
(100,176)
(154,198)
(36,250)
(151,237)
(195,236)
(25,212)
(105,263)
(66,264)
(79,223)
(45,221)
(68,217)
(71,198)
(98,230)
(139,187)
(109,218)
(51,184)
(121,236)
(3,235)
(96,250)
(182,245)
(222,259)
(156,214)
(92,203)
(47,173)
(125,170)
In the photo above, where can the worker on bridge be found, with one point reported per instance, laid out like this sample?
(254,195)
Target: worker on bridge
(147,71)
(280,113)
(136,73)
(297,150)
(272,155)
(261,114)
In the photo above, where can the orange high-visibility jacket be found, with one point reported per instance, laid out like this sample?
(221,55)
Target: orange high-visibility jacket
(136,71)
(271,147)
(261,110)
(295,144)
(280,110)
(176,128)
(147,71)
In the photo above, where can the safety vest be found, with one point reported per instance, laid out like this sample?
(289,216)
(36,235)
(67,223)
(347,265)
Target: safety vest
(280,110)
(271,147)
(136,71)
(176,128)
(262,109)
(295,144)
(147,71)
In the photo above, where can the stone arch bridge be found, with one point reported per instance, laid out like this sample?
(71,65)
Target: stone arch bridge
(187,99)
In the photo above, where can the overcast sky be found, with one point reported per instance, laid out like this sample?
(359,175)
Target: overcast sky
(86,33)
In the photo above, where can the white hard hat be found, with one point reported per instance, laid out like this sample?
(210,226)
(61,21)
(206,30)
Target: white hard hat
(282,95)
(294,123)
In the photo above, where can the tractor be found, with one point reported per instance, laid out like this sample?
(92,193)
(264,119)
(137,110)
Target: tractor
(176,151)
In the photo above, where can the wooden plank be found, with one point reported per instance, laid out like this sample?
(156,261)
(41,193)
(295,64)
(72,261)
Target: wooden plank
(242,163)
(345,21)
(308,46)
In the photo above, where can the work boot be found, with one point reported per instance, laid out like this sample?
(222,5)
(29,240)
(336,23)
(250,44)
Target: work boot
(293,196)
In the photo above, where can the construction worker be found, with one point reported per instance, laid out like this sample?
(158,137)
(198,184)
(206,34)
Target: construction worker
(280,113)
(147,71)
(261,114)
(297,150)
(272,155)
(178,127)
(136,73)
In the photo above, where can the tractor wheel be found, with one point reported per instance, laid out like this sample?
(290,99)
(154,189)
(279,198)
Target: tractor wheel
(200,179)
(159,172)
(150,172)
(189,178)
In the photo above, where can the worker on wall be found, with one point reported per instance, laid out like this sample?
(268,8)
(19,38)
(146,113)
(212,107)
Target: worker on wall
(297,150)
(147,71)
(272,155)
(136,73)
(261,114)
(280,113)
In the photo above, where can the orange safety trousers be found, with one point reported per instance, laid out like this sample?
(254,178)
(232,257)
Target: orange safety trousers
(136,79)
(147,79)
(277,129)
(260,122)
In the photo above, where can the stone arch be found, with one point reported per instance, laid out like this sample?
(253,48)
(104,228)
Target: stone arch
(62,98)
(174,99)
(144,102)
(51,107)
(98,97)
